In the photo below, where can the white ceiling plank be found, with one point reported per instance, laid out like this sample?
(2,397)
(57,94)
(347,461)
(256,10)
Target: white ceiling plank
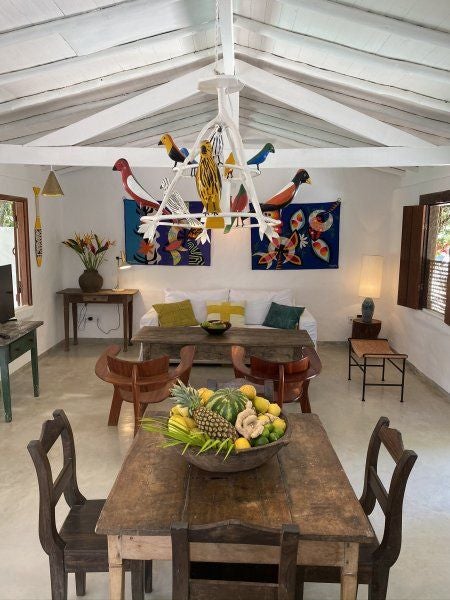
(226,35)
(374,20)
(319,106)
(369,60)
(141,105)
(321,158)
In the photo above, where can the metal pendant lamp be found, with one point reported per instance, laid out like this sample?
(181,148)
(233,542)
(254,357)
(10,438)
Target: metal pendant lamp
(51,187)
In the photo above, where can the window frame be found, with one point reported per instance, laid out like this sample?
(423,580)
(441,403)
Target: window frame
(24,294)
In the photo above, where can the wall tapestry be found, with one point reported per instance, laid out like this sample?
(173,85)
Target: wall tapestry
(171,246)
(309,239)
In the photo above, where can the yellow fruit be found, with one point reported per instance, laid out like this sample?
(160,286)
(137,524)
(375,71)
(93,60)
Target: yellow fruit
(264,419)
(190,422)
(183,411)
(175,410)
(274,409)
(242,444)
(176,423)
(205,394)
(261,404)
(249,391)
(279,424)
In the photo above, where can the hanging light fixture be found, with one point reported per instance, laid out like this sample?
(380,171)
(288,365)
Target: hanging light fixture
(51,187)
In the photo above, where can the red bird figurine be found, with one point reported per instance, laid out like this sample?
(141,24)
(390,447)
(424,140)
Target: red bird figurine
(131,185)
(287,194)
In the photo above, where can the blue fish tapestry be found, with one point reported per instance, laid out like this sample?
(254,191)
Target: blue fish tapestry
(172,245)
(309,239)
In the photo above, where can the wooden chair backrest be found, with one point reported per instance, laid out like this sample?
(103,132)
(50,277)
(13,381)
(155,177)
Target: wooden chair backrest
(50,489)
(271,370)
(391,502)
(233,532)
(146,368)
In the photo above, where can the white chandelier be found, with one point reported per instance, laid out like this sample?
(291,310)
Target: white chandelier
(174,214)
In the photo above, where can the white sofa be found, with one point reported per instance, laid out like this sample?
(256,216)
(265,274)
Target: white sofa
(257,303)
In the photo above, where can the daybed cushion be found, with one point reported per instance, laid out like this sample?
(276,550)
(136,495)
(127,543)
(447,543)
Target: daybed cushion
(175,314)
(258,302)
(227,311)
(198,299)
(281,316)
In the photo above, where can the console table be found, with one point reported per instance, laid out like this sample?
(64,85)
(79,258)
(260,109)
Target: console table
(21,338)
(76,296)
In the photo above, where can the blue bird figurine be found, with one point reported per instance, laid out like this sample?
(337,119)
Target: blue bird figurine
(261,156)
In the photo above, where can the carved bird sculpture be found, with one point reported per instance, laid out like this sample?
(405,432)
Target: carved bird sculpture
(261,156)
(172,149)
(209,184)
(286,195)
(132,187)
(228,171)
(239,203)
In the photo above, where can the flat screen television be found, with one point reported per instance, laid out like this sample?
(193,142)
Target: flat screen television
(6,294)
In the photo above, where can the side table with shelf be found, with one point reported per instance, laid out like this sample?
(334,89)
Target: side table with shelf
(366,331)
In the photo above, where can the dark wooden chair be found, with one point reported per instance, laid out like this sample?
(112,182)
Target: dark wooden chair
(141,382)
(375,560)
(203,586)
(290,379)
(76,548)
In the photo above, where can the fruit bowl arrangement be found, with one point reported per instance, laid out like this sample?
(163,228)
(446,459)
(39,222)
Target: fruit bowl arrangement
(215,326)
(226,431)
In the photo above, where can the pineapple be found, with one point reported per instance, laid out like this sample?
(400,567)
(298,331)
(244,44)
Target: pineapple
(215,426)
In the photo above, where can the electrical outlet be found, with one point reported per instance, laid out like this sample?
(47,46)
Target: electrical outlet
(350,319)
(90,318)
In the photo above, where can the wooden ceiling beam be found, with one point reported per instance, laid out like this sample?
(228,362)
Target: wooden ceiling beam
(319,106)
(369,18)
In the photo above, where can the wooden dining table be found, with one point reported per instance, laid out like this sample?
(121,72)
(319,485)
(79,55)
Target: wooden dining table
(303,484)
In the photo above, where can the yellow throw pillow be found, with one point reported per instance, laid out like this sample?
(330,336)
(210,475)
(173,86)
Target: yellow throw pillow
(227,311)
(175,314)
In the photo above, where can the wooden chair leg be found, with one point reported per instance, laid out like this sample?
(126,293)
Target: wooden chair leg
(304,398)
(116,405)
(379,584)
(58,579)
(299,584)
(148,576)
(137,580)
(80,583)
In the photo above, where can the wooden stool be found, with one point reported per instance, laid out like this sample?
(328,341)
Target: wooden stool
(379,348)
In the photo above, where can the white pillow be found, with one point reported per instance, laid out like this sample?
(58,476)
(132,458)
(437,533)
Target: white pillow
(257,302)
(198,299)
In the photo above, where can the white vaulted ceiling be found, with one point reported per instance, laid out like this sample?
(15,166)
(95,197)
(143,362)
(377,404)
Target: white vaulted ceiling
(63,60)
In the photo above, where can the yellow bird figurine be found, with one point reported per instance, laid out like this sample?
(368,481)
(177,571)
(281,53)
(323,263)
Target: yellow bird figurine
(209,185)
(228,171)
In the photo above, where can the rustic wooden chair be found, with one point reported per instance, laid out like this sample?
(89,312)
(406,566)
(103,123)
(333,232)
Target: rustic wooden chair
(76,548)
(375,560)
(203,587)
(290,379)
(141,382)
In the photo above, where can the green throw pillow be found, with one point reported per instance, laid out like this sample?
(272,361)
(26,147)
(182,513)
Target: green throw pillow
(175,314)
(282,316)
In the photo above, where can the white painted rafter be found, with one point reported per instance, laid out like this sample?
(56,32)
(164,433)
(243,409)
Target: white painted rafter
(321,158)
(319,106)
(129,110)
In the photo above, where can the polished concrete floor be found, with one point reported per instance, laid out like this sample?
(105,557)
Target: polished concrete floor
(68,381)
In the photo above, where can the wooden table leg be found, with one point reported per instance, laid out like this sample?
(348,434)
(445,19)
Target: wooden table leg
(75,323)
(116,574)
(130,321)
(125,324)
(66,324)
(6,390)
(349,572)
(34,366)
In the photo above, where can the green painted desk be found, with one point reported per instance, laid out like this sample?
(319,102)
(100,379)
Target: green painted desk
(22,338)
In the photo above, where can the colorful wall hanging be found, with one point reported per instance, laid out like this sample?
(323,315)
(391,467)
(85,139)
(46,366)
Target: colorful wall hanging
(309,239)
(172,246)
(37,228)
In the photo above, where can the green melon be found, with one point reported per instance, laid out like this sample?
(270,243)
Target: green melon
(228,403)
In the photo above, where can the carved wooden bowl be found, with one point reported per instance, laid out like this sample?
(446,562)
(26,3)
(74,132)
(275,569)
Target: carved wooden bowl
(216,330)
(245,460)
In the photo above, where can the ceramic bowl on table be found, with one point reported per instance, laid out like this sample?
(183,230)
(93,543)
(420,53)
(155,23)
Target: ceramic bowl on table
(216,326)
(244,460)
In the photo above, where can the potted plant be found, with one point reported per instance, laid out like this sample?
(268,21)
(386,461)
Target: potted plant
(92,252)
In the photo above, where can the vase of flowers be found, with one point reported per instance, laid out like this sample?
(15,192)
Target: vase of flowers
(92,252)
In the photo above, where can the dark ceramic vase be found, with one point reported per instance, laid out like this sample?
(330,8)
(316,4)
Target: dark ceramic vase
(90,281)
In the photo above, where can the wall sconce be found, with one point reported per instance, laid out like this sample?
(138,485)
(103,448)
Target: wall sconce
(122,265)
(370,284)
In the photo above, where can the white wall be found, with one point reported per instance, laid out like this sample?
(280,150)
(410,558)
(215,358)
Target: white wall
(46,280)
(93,200)
(422,335)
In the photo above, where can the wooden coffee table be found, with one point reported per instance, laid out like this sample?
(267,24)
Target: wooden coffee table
(278,345)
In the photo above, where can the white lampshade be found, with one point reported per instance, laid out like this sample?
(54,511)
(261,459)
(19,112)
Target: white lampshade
(371,275)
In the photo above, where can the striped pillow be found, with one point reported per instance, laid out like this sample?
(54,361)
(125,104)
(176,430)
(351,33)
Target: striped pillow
(227,311)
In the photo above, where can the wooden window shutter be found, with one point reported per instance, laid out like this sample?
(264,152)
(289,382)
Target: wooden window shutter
(411,257)
(447,306)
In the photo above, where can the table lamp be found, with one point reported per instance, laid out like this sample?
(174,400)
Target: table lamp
(370,284)
(121,266)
